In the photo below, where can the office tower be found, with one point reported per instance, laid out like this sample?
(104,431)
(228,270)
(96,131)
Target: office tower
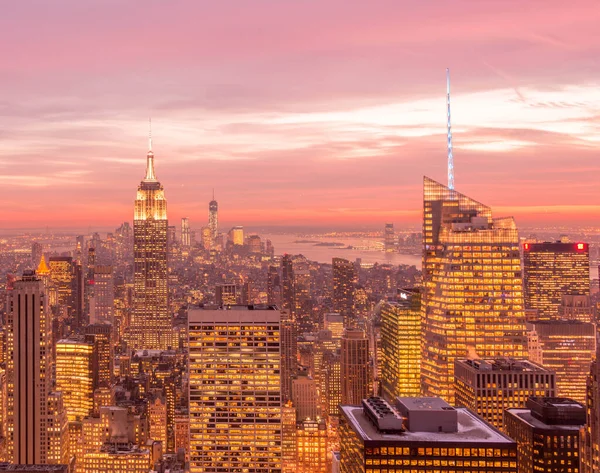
(288,438)
(273,286)
(254,244)
(332,394)
(547,434)
(186,239)
(74,375)
(355,367)
(157,417)
(576,307)
(389,238)
(287,283)
(551,270)
(434,437)
(401,346)
(334,322)
(62,275)
(311,446)
(472,297)
(305,398)
(35,415)
(302,296)
(566,347)
(289,354)
(115,457)
(171,396)
(490,386)
(182,434)
(213,219)
(102,303)
(236,235)
(344,279)
(150,321)
(103,353)
(37,250)
(235,389)
(590,436)
(226,294)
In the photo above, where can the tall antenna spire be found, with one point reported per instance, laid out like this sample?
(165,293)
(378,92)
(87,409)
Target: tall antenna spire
(150,176)
(150,134)
(450,156)
(213,193)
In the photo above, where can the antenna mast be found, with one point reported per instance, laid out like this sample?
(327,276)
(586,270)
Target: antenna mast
(450,155)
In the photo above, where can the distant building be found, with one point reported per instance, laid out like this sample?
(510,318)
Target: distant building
(236,235)
(103,301)
(305,398)
(547,432)
(311,446)
(401,346)
(344,280)
(434,437)
(490,386)
(551,270)
(226,294)
(355,367)
(390,238)
(213,219)
(566,347)
(186,236)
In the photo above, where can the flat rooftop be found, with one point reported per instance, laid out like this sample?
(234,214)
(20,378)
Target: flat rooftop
(502,364)
(526,416)
(470,429)
(259,313)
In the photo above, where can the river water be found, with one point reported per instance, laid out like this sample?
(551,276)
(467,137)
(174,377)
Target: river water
(289,243)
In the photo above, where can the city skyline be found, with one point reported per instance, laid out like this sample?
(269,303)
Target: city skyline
(334,128)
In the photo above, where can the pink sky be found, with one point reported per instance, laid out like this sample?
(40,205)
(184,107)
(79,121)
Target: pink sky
(297,112)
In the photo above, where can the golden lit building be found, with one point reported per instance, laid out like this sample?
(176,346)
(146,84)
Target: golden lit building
(400,361)
(288,438)
(74,375)
(434,437)
(235,389)
(472,298)
(590,435)
(332,395)
(151,326)
(213,220)
(157,416)
(355,369)
(551,270)
(311,446)
(490,386)
(289,353)
(116,458)
(182,434)
(566,347)
(102,334)
(236,235)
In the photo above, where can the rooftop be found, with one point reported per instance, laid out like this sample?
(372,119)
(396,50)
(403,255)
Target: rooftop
(470,429)
(502,364)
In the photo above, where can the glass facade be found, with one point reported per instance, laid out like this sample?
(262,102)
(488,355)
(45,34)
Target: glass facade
(473,289)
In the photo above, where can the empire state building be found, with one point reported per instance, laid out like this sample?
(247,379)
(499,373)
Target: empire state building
(151,326)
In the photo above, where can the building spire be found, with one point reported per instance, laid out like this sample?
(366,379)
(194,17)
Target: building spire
(450,155)
(150,176)
(213,193)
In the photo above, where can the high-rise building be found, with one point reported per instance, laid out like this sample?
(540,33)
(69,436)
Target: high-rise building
(472,287)
(401,346)
(289,354)
(236,235)
(235,389)
(355,367)
(74,375)
(287,283)
(566,347)
(288,438)
(62,275)
(433,437)
(103,353)
(488,387)
(311,446)
(332,394)
(344,280)
(305,398)
(37,250)
(590,436)
(102,303)
(547,434)
(113,457)
(334,322)
(226,294)
(150,321)
(186,239)
(551,270)
(36,421)
(213,219)
(576,307)
(157,417)
(389,238)
(273,286)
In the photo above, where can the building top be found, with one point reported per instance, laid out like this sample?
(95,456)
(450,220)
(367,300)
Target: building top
(4,466)
(501,364)
(471,429)
(382,415)
(556,247)
(556,410)
(234,313)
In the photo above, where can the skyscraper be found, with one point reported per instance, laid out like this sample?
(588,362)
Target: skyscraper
(389,238)
(343,288)
(213,218)
(401,346)
(150,321)
(103,300)
(551,270)
(287,283)
(35,416)
(74,375)
(186,239)
(355,367)
(590,436)
(235,389)
(473,296)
